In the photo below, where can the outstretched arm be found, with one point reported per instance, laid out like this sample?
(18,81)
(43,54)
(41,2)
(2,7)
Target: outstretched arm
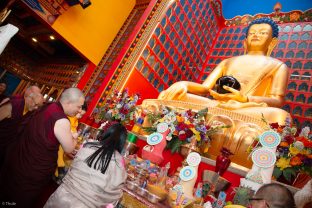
(64,136)
(178,90)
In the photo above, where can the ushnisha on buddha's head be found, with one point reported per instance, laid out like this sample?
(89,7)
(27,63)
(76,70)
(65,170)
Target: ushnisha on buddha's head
(261,36)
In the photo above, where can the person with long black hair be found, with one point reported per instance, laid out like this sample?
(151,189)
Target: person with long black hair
(97,174)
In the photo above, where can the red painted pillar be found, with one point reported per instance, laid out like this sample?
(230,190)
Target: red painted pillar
(86,76)
(119,58)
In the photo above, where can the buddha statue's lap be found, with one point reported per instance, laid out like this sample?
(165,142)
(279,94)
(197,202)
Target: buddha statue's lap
(262,79)
(257,110)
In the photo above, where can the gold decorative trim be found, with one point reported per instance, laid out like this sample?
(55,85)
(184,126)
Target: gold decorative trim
(280,17)
(108,53)
(149,25)
(211,110)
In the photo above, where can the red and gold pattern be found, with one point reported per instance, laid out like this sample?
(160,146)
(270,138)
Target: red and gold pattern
(283,17)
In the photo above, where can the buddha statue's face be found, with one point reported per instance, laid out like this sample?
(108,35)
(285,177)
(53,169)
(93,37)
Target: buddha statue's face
(259,37)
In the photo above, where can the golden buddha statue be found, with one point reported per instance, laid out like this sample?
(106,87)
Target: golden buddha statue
(263,79)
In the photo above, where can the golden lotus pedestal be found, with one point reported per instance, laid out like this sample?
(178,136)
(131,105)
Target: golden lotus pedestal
(244,129)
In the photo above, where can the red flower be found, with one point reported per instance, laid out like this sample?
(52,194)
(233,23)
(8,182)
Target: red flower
(189,113)
(298,132)
(301,156)
(182,126)
(289,139)
(294,161)
(274,125)
(188,133)
(182,136)
(124,111)
(305,141)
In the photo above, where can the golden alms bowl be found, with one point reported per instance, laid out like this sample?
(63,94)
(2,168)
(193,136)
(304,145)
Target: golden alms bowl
(158,191)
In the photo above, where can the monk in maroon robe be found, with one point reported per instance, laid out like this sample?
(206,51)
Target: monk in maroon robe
(8,125)
(31,162)
(12,112)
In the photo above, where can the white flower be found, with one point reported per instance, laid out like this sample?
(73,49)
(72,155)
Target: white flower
(299,145)
(172,128)
(293,130)
(305,132)
(168,138)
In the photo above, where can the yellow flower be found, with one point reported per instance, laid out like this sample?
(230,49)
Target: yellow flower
(283,163)
(293,150)
(196,133)
(187,122)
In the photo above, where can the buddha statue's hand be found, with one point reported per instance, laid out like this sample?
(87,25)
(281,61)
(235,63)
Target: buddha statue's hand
(177,91)
(233,95)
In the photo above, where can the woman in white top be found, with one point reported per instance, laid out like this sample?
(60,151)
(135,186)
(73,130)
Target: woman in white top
(97,174)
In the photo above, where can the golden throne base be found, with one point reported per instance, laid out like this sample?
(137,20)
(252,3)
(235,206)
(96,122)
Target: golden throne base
(237,138)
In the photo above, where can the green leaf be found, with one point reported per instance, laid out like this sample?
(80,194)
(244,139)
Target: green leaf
(277,172)
(169,144)
(202,112)
(288,172)
(307,170)
(152,118)
(176,146)
(149,130)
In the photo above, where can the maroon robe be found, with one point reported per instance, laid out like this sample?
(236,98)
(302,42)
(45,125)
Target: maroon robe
(31,162)
(9,126)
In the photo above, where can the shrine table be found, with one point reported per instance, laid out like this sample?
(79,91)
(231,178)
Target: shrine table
(131,199)
(233,174)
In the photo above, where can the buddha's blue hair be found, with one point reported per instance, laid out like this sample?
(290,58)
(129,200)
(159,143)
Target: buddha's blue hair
(265,20)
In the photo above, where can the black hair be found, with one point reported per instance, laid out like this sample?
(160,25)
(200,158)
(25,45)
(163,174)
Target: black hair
(282,198)
(84,106)
(265,20)
(3,81)
(112,139)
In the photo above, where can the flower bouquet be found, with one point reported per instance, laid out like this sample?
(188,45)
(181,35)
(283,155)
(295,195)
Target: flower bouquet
(120,106)
(294,153)
(184,126)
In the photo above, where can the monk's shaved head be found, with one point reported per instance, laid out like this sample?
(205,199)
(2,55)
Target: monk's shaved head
(71,94)
(72,100)
(32,90)
(33,97)
(282,197)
